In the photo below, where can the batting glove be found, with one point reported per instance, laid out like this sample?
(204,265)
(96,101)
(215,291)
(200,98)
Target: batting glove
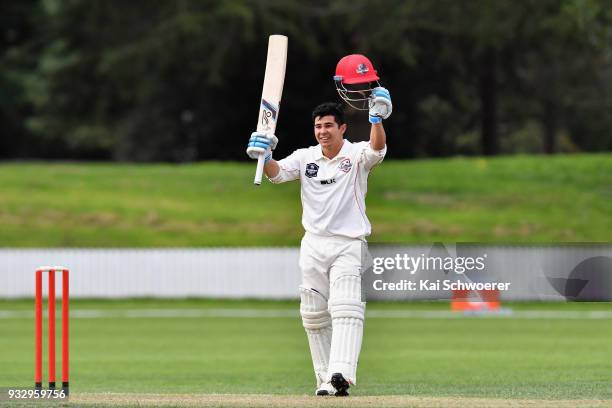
(380,105)
(261,143)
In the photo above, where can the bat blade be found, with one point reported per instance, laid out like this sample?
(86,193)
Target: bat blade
(271,94)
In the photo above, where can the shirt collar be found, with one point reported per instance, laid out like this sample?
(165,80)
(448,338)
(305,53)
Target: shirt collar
(342,153)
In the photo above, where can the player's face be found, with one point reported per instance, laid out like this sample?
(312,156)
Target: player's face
(327,132)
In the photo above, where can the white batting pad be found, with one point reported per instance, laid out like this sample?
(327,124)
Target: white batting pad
(317,323)
(347,312)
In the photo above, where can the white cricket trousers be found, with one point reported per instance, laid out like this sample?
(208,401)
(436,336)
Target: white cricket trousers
(332,307)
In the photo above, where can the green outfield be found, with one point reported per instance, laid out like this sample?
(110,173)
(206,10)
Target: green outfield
(505,199)
(180,348)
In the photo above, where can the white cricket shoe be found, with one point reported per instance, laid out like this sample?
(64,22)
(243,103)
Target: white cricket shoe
(325,389)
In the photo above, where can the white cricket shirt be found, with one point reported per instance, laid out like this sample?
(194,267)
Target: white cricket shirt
(333,190)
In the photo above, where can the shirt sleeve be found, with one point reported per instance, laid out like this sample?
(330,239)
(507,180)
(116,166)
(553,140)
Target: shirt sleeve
(370,157)
(289,169)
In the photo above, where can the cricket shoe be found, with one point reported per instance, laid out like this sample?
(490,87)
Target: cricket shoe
(325,389)
(340,384)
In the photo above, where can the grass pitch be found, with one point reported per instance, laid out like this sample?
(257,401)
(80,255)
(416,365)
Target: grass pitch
(123,353)
(504,199)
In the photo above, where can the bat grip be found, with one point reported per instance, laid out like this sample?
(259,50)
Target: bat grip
(259,171)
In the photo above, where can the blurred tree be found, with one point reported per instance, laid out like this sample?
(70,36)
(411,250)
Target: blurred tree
(501,64)
(172,81)
(18,25)
(158,80)
(587,102)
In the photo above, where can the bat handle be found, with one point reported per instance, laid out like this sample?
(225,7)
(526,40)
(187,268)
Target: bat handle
(259,171)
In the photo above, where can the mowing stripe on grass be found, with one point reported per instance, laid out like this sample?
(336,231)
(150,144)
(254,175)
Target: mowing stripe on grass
(284,313)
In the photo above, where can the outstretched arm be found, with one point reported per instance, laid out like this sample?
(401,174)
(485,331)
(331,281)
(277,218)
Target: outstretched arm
(262,143)
(278,172)
(271,168)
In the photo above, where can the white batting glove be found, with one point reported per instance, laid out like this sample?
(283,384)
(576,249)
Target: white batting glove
(380,105)
(261,143)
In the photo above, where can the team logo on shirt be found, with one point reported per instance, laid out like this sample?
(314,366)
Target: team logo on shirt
(312,169)
(345,165)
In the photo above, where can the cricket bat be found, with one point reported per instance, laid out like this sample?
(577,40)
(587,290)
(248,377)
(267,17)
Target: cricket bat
(272,92)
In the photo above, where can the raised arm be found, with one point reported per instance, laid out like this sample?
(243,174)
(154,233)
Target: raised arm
(378,137)
(380,108)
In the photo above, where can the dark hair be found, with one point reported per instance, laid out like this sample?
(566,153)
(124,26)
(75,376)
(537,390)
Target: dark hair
(329,108)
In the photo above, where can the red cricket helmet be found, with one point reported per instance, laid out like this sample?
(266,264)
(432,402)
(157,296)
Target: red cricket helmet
(357,72)
(355,69)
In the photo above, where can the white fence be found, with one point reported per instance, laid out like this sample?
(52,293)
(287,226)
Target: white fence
(580,272)
(109,273)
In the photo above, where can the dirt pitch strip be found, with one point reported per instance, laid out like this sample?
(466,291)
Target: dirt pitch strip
(283,401)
